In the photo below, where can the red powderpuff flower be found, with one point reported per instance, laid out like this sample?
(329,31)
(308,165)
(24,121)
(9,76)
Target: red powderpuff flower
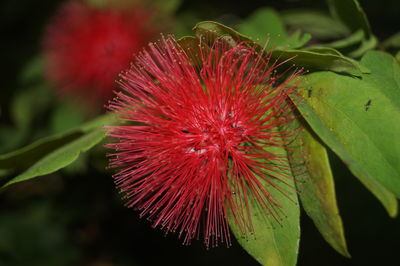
(86,47)
(196,149)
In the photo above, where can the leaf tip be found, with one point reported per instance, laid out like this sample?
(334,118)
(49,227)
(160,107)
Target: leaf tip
(394,210)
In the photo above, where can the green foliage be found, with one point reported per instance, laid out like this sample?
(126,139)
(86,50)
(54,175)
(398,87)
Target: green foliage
(53,153)
(316,23)
(353,16)
(27,155)
(266,27)
(33,71)
(318,60)
(169,6)
(29,104)
(349,42)
(59,158)
(209,28)
(312,60)
(330,106)
(359,120)
(392,42)
(314,180)
(66,116)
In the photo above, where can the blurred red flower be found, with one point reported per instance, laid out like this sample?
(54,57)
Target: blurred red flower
(86,47)
(198,146)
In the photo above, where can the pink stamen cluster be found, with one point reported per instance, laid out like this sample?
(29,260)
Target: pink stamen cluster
(195,148)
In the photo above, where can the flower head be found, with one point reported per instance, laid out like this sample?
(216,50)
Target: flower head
(195,148)
(86,47)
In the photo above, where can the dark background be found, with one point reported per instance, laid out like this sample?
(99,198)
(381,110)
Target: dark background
(66,219)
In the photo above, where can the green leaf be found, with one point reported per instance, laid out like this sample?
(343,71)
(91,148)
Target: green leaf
(355,45)
(324,50)
(386,76)
(53,153)
(31,154)
(349,42)
(392,42)
(61,157)
(264,25)
(168,6)
(393,45)
(296,40)
(33,71)
(192,47)
(99,122)
(317,189)
(360,121)
(274,243)
(318,24)
(313,60)
(365,46)
(79,166)
(66,116)
(27,155)
(206,28)
(310,60)
(11,137)
(351,14)
(30,103)
(183,22)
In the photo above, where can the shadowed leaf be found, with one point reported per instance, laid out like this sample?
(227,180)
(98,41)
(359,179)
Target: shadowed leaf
(316,23)
(264,25)
(351,14)
(317,189)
